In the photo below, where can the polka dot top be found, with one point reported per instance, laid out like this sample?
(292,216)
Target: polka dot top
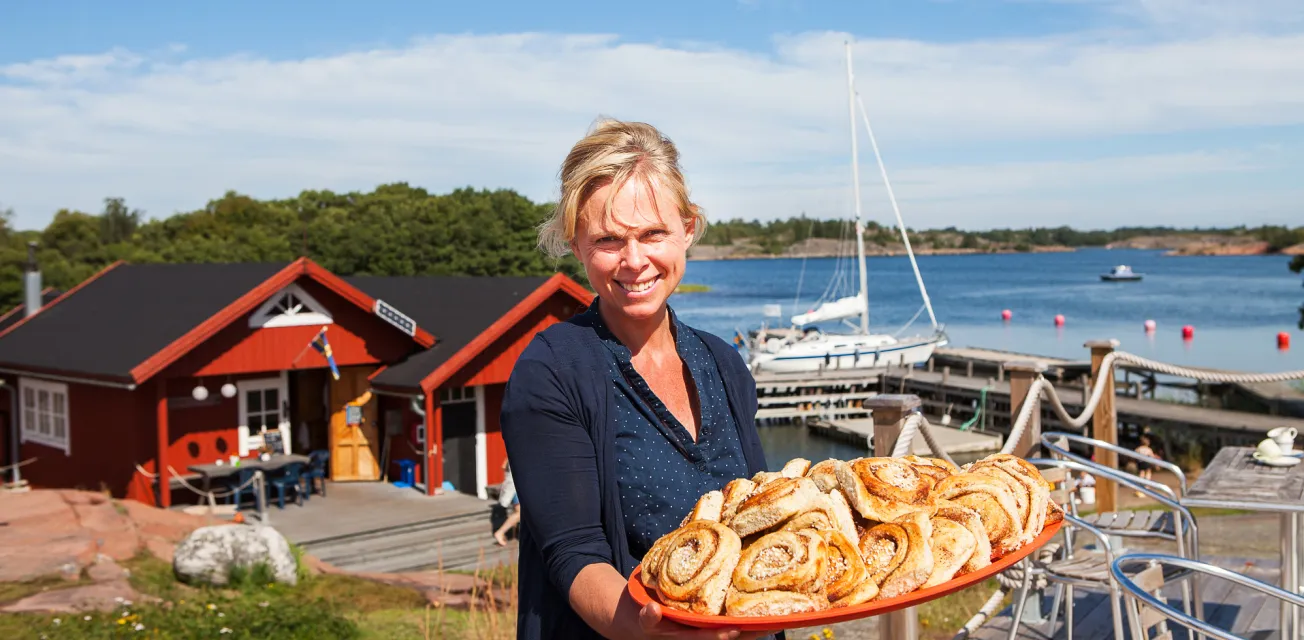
(662,471)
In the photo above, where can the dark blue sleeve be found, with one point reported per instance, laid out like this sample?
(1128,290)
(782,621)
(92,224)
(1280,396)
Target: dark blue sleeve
(554,464)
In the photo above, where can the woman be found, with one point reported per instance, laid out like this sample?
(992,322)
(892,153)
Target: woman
(618,419)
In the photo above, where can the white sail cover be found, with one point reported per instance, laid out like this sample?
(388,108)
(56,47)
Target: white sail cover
(849,307)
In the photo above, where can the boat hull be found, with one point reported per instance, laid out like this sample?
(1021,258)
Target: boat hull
(847,353)
(1110,278)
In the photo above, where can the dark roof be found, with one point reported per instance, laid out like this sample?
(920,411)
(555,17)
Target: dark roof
(19,312)
(456,309)
(126,315)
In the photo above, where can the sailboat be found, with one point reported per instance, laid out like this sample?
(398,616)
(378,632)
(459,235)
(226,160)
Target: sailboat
(802,347)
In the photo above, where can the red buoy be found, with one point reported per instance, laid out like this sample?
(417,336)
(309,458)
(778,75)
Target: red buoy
(1188,332)
(1006,315)
(1283,341)
(1150,326)
(1059,320)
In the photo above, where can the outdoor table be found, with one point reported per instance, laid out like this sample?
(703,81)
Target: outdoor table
(210,471)
(1235,481)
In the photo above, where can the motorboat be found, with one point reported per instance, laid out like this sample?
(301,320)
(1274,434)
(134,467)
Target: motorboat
(1121,273)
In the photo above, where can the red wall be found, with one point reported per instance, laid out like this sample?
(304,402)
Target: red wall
(402,445)
(357,337)
(104,442)
(494,364)
(495,451)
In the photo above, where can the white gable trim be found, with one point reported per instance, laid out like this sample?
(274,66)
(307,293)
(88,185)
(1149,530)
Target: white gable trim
(290,307)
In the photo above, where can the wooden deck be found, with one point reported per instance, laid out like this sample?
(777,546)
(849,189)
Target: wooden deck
(375,526)
(1243,612)
(960,391)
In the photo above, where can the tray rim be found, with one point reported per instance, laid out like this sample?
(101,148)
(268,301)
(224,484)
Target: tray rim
(843,614)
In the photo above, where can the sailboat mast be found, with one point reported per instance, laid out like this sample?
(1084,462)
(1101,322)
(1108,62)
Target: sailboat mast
(855,188)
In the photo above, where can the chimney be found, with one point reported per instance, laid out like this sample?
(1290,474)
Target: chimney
(32,283)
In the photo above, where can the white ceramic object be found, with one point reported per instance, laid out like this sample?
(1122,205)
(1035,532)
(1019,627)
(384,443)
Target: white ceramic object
(1286,461)
(1284,437)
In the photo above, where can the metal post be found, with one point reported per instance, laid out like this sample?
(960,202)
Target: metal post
(968,369)
(890,414)
(1022,375)
(1104,424)
(260,482)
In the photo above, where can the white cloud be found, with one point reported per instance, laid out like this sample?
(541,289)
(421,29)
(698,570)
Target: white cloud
(762,135)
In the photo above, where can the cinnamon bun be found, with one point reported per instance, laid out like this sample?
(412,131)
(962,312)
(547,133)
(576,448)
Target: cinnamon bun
(772,603)
(708,507)
(934,469)
(969,519)
(952,545)
(792,561)
(773,503)
(1026,485)
(825,474)
(693,566)
(734,493)
(898,557)
(883,489)
(994,503)
(795,468)
(846,578)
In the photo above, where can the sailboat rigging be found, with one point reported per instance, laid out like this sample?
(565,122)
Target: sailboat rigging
(802,348)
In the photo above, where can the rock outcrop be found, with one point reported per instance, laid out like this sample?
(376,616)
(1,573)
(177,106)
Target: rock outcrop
(208,555)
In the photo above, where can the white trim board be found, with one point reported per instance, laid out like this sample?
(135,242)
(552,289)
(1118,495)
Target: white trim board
(481,447)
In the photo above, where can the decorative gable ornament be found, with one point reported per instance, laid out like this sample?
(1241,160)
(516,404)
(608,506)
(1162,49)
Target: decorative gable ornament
(290,307)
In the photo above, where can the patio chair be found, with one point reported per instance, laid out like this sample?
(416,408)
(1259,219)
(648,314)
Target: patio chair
(239,481)
(1147,612)
(289,476)
(1089,568)
(317,462)
(1144,523)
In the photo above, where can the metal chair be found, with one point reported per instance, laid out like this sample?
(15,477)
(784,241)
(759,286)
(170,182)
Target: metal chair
(1090,569)
(1146,611)
(239,479)
(1123,523)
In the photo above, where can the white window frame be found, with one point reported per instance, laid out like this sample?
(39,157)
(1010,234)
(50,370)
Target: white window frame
(312,313)
(252,441)
(30,428)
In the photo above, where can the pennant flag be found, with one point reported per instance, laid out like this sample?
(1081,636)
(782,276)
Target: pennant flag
(323,346)
(739,340)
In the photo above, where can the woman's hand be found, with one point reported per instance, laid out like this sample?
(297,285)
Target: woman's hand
(655,626)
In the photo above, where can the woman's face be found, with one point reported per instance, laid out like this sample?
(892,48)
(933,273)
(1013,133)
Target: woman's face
(634,254)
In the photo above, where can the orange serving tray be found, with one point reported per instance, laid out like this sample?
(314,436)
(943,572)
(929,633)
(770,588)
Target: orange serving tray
(842,614)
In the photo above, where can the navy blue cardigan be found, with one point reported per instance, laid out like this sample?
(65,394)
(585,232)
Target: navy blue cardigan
(561,445)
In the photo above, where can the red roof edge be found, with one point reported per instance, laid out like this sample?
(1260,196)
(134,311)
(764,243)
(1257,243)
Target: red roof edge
(55,301)
(250,301)
(559,282)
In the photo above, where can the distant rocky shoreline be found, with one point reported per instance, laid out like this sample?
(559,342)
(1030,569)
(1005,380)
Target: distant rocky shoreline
(1176,245)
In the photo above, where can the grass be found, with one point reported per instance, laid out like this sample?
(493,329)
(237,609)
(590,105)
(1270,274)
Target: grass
(692,288)
(319,607)
(11,591)
(939,619)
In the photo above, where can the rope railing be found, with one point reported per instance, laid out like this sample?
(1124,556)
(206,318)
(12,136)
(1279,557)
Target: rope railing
(210,494)
(10,467)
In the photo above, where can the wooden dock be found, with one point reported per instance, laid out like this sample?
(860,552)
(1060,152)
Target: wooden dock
(960,395)
(1244,612)
(375,526)
(957,443)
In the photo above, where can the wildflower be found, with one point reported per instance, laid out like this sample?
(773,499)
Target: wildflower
(224,631)
(140,627)
(87,618)
(828,633)
(122,621)
(264,604)
(118,600)
(221,615)
(126,603)
(212,607)
(57,621)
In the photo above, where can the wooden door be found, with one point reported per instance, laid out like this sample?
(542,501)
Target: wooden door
(355,449)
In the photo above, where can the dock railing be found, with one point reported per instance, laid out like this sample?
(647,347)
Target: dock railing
(898,419)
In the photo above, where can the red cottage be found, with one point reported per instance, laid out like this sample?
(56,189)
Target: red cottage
(160,366)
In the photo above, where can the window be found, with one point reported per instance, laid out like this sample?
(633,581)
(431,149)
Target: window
(263,408)
(290,307)
(457,394)
(45,413)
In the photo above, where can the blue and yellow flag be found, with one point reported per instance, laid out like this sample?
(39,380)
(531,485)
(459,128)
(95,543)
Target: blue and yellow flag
(323,346)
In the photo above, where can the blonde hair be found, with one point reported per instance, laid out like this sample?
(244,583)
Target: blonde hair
(614,152)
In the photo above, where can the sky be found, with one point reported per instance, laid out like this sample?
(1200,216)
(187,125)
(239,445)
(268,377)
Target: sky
(988,113)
